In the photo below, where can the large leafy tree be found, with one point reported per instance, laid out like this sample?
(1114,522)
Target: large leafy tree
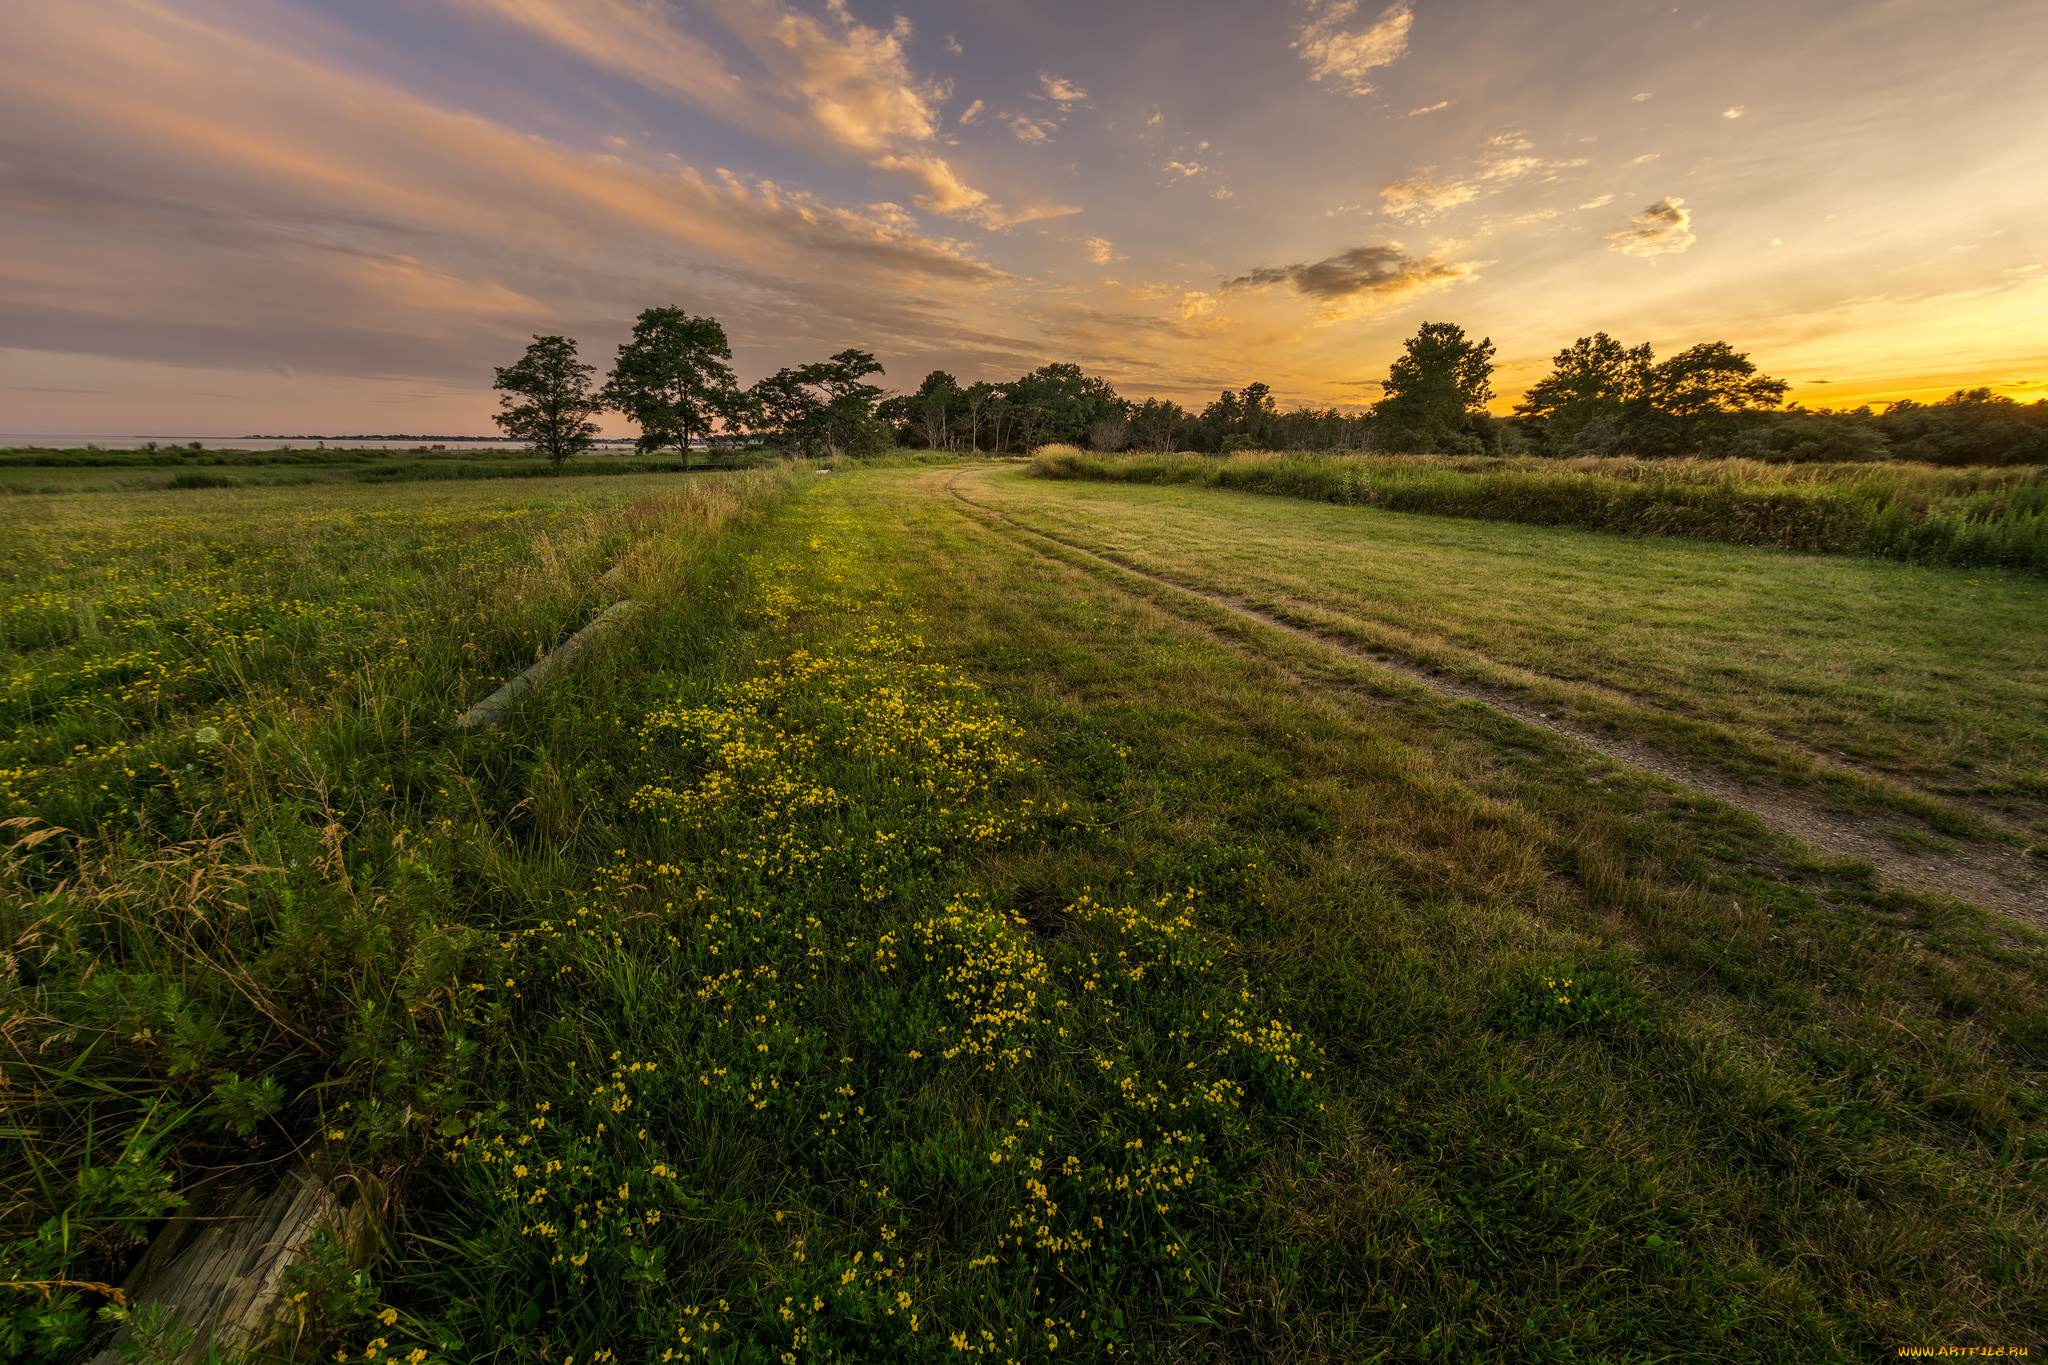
(1604,398)
(673,379)
(1060,402)
(1436,392)
(825,408)
(548,400)
(1594,377)
(1712,379)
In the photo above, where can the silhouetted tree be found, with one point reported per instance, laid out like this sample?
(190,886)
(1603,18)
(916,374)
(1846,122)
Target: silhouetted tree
(673,380)
(1597,388)
(1435,392)
(547,399)
(1602,398)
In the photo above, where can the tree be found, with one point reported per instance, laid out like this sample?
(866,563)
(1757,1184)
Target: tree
(1602,398)
(673,380)
(1435,391)
(976,397)
(1059,402)
(848,412)
(1157,421)
(1594,380)
(929,406)
(1110,433)
(789,409)
(547,399)
(826,407)
(1712,379)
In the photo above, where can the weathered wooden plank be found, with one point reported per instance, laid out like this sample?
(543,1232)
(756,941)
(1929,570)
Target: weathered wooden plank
(219,1265)
(492,709)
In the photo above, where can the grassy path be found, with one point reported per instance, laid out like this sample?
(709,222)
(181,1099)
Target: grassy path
(1910,695)
(1998,875)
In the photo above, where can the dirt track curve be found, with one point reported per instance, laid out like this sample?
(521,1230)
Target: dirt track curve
(1998,878)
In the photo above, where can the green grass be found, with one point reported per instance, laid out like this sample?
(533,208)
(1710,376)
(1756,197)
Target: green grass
(44,472)
(1918,513)
(909,942)
(1743,657)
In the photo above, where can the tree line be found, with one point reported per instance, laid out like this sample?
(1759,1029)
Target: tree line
(674,380)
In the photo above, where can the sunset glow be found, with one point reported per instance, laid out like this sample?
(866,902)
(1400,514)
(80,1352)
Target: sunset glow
(239,215)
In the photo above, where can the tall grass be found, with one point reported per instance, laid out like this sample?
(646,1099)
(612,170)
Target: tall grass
(245,857)
(1918,513)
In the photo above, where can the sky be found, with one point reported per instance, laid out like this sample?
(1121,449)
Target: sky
(336,216)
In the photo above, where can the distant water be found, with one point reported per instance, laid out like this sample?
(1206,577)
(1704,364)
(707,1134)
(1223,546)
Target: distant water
(74,442)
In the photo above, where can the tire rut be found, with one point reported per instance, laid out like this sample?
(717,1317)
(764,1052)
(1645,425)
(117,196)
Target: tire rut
(1988,876)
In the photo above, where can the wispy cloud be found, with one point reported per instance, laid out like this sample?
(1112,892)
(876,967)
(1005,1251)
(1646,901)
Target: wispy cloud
(1661,229)
(1416,197)
(1430,108)
(973,112)
(823,83)
(350,228)
(1503,160)
(1100,250)
(1338,53)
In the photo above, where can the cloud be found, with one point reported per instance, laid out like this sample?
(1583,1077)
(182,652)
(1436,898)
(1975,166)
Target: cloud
(1600,202)
(1430,108)
(1029,129)
(1100,251)
(1342,57)
(1661,229)
(1196,304)
(1363,275)
(940,191)
(1503,160)
(1736,112)
(1641,97)
(973,112)
(1418,197)
(1063,93)
(1186,169)
(827,84)
(281,212)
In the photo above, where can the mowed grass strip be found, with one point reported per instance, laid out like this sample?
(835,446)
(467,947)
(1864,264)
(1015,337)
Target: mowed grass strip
(1749,658)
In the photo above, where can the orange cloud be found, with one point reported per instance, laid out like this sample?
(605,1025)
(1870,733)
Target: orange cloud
(828,83)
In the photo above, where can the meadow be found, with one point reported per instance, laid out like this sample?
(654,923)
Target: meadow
(907,940)
(1969,517)
(33,471)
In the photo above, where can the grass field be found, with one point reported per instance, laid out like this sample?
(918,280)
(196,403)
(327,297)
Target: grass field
(30,472)
(1935,677)
(908,941)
